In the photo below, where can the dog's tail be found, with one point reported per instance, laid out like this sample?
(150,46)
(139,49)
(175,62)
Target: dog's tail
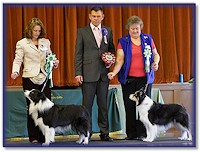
(82,126)
(182,117)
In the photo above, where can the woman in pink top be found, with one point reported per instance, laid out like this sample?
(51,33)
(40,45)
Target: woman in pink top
(137,59)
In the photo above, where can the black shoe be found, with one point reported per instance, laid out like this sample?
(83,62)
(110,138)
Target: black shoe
(131,138)
(105,137)
(128,138)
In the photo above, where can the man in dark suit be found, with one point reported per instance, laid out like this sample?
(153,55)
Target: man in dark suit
(90,70)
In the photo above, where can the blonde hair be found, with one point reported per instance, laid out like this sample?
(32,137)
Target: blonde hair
(31,24)
(134,20)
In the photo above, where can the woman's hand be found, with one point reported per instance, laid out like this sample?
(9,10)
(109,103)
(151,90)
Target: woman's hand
(111,75)
(55,63)
(154,66)
(14,75)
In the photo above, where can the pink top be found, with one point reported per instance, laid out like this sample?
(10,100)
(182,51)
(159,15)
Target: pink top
(137,63)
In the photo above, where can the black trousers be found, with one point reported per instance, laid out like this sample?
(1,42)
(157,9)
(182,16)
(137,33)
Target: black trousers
(33,132)
(100,88)
(132,85)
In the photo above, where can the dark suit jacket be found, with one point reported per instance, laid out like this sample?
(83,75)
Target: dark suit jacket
(88,62)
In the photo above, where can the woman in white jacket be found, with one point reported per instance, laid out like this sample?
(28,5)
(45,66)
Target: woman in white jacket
(32,51)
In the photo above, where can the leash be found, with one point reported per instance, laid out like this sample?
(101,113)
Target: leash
(145,89)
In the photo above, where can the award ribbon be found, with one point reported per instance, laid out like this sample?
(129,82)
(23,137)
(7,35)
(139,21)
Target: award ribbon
(147,55)
(49,66)
(108,58)
(104,33)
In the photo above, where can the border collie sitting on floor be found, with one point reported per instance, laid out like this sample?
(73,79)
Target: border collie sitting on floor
(53,118)
(158,117)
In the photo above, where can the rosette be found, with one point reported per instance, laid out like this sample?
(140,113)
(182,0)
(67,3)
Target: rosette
(49,66)
(104,33)
(147,55)
(109,58)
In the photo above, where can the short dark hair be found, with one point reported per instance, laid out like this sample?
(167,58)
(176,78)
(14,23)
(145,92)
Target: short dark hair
(96,8)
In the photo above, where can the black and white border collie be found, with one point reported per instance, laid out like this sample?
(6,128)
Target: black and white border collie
(53,118)
(158,117)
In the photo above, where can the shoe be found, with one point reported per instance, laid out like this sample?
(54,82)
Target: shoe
(34,141)
(128,138)
(131,138)
(105,137)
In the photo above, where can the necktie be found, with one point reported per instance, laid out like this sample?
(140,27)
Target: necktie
(98,36)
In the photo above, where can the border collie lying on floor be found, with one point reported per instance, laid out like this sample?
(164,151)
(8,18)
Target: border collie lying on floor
(161,117)
(53,118)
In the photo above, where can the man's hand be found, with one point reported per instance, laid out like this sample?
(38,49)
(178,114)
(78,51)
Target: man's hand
(79,79)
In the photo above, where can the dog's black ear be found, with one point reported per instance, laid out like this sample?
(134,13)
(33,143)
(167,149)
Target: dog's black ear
(41,96)
(142,89)
(141,92)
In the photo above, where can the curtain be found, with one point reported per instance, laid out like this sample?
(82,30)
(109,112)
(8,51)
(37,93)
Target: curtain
(171,26)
